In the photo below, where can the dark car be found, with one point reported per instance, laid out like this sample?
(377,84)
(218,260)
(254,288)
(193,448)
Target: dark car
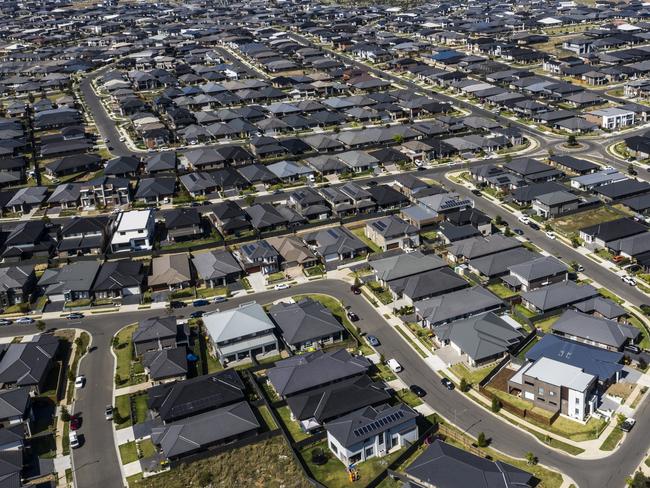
(372,183)
(519,232)
(627,425)
(200,303)
(533,226)
(477,193)
(447,383)
(356,290)
(633,348)
(197,315)
(372,340)
(353,316)
(75,316)
(177,304)
(75,422)
(417,390)
(5,322)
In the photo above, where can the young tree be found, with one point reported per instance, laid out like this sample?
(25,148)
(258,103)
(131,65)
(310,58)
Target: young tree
(481,440)
(496,404)
(463,385)
(531,459)
(571,140)
(249,199)
(65,415)
(498,220)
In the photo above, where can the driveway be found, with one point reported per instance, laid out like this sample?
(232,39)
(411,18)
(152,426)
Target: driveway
(449,355)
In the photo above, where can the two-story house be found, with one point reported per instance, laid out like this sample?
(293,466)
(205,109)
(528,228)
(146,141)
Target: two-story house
(391,232)
(134,231)
(82,235)
(105,191)
(259,256)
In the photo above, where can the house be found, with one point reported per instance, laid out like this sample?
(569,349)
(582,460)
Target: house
(471,217)
(315,407)
(15,411)
(391,232)
(240,333)
(557,296)
(171,272)
(621,190)
(105,192)
(265,217)
(158,189)
(206,430)
(604,234)
(555,204)
(293,252)
(593,180)
(478,247)
(306,324)
(119,279)
(403,266)
(161,162)
(557,387)
(16,284)
(611,118)
(426,284)
(442,204)
(336,244)
(27,240)
(482,339)
(65,196)
(457,305)
(183,224)
(134,231)
(442,465)
(387,198)
(27,199)
(166,365)
(175,401)
(536,273)
(497,264)
(573,165)
(306,372)
(371,432)
(158,333)
(71,282)
(123,166)
(595,331)
(229,218)
(532,170)
(82,236)
(27,364)
(69,165)
(217,268)
(606,365)
(259,256)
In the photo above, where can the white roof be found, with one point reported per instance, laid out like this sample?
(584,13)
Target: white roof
(133,220)
(245,320)
(560,374)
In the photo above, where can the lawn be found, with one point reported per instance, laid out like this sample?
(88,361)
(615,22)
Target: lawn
(294,428)
(571,224)
(212,292)
(44,446)
(408,339)
(122,409)
(128,452)
(124,353)
(267,417)
(360,233)
(612,440)
(268,463)
(384,372)
(474,376)
(147,448)
(317,270)
(382,294)
(501,291)
(546,324)
(524,311)
(333,472)
(80,351)
(645,342)
(506,397)
(183,245)
(608,294)
(407,396)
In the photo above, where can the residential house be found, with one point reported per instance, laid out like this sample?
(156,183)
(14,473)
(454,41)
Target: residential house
(16,284)
(27,364)
(134,231)
(536,273)
(171,272)
(217,268)
(595,331)
(336,244)
(82,236)
(611,118)
(557,296)
(555,204)
(158,333)
(166,365)
(119,279)
(457,305)
(27,240)
(72,282)
(478,247)
(403,266)
(293,252)
(392,232)
(605,233)
(105,192)
(259,256)
(183,224)
(496,265)
(426,284)
(155,190)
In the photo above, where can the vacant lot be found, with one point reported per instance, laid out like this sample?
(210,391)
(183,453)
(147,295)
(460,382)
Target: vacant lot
(265,464)
(571,224)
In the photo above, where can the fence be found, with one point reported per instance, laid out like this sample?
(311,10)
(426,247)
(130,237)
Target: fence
(518,411)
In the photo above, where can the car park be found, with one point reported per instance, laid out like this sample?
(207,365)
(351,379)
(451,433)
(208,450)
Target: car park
(80,381)
(372,340)
(108,412)
(418,391)
(447,383)
(25,320)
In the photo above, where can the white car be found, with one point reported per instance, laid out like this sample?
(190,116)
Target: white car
(219,299)
(122,139)
(524,219)
(629,280)
(394,366)
(25,320)
(550,235)
(80,381)
(74,439)
(282,286)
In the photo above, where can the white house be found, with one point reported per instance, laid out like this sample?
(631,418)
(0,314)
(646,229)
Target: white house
(134,231)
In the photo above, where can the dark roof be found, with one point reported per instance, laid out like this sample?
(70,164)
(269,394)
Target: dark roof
(166,363)
(305,320)
(182,217)
(116,275)
(27,363)
(154,328)
(614,229)
(428,284)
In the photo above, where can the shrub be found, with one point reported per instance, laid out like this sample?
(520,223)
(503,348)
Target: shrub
(531,459)
(463,385)
(481,441)
(496,404)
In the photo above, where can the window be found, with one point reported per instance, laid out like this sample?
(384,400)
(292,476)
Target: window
(529,383)
(577,401)
(333,448)
(577,411)
(540,391)
(369,451)
(541,400)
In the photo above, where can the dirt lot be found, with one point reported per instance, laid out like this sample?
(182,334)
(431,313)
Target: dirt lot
(571,224)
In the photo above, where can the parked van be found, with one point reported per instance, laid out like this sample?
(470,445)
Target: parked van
(394,366)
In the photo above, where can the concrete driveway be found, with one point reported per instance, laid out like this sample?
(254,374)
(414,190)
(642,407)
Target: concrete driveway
(449,356)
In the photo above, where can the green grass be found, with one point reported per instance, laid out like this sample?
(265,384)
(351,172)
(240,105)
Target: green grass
(333,472)
(212,292)
(514,400)
(273,277)
(122,407)
(317,270)
(571,224)
(608,294)
(524,311)
(645,341)
(385,373)
(546,324)
(44,446)
(79,352)
(501,290)
(382,294)
(292,426)
(612,440)
(182,245)
(360,233)
(472,376)
(124,354)
(267,417)
(147,448)
(410,341)
(429,235)
(407,396)
(128,452)
(65,439)
(141,408)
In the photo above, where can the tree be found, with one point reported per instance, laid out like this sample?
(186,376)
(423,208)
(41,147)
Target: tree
(498,220)
(496,404)
(65,415)
(481,441)
(398,138)
(531,459)
(249,199)
(507,159)
(571,140)
(463,385)
(357,283)
(639,480)
(118,379)
(642,364)
(575,242)
(40,325)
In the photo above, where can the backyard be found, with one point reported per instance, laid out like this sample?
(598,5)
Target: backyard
(360,233)
(294,428)
(571,224)
(128,371)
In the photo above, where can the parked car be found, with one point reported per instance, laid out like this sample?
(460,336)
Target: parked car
(352,316)
(75,316)
(633,348)
(628,280)
(200,303)
(627,425)
(524,219)
(177,304)
(580,268)
(219,299)
(108,412)
(372,340)
(5,322)
(25,320)
(197,315)
(447,383)
(75,422)
(356,290)
(550,234)
(533,226)
(417,390)
(394,366)
(74,440)
(80,381)
(518,231)
(477,192)
(282,286)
